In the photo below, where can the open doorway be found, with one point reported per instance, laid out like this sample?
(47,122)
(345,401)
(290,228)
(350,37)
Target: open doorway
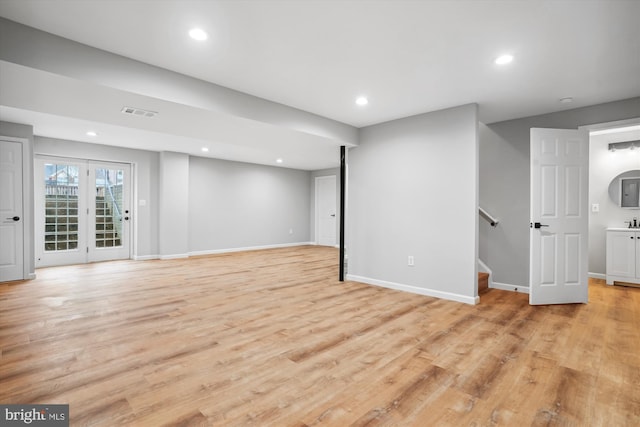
(605,166)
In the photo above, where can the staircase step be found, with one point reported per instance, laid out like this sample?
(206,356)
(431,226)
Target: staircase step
(483,282)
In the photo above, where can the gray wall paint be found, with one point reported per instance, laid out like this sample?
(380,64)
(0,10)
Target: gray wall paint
(504,183)
(25,131)
(413,191)
(604,166)
(173,221)
(239,205)
(312,211)
(145,183)
(33,48)
(222,205)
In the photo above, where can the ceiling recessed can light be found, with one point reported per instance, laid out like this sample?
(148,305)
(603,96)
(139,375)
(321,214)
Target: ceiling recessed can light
(198,34)
(204,149)
(362,100)
(279,160)
(566,100)
(504,59)
(92,133)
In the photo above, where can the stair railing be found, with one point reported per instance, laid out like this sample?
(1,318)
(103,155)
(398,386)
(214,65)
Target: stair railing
(488,217)
(113,202)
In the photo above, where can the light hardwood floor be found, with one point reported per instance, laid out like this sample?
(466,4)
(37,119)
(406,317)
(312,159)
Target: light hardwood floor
(271,338)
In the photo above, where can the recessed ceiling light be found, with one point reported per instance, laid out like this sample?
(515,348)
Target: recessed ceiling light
(204,149)
(566,100)
(362,100)
(92,133)
(279,160)
(504,59)
(198,34)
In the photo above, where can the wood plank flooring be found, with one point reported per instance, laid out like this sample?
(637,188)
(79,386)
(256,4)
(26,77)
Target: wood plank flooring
(271,338)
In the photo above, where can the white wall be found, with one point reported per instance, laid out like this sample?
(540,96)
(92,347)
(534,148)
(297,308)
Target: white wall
(238,205)
(604,166)
(413,191)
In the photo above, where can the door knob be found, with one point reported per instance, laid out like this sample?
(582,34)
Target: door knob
(15,218)
(538,225)
(126,218)
(333,215)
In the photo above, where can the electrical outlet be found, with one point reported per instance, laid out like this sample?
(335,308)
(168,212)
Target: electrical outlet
(595,207)
(410,261)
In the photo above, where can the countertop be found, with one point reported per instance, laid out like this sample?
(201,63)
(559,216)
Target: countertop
(623,229)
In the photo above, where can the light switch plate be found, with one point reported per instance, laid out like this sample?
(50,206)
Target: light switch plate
(595,207)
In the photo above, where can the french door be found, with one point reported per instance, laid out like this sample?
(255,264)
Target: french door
(83,211)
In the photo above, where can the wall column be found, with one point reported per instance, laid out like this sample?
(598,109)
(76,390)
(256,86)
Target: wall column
(173,222)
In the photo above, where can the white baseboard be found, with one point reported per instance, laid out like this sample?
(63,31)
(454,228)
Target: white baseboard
(174,256)
(415,289)
(598,276)
(248,248)
(31,276)
(145,257)
(218,251)
(508,287)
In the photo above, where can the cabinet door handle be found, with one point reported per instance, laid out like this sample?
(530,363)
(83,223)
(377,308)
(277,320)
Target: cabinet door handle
(631,237)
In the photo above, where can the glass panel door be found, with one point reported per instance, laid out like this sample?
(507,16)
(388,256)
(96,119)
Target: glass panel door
(83,211)
(109,221)
(59,204)
(108,207)
(61,212)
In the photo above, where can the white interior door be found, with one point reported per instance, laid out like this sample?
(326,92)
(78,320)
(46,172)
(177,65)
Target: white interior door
(326,210)
(559,221)
(82,211)
(11,215)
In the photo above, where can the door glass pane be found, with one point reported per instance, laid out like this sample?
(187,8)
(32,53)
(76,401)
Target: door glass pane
(109,186)
(61,207)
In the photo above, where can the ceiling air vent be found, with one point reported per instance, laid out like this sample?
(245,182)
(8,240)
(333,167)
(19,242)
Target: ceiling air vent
(138,112)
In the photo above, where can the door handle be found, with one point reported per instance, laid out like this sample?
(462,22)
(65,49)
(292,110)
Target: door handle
(538,225)
(15,218)
(333,215)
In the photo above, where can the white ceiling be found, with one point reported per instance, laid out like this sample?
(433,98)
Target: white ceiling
(407,57)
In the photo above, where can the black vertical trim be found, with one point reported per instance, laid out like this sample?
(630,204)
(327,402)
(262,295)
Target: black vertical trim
(343,174)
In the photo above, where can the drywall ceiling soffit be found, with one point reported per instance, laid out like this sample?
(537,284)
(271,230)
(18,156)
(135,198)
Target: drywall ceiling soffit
(409,57)
(630,132)
(65,108)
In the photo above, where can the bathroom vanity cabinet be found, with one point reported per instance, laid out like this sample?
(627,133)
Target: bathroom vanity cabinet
(623,255)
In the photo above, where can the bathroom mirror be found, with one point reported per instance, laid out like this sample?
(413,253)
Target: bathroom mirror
(624,190)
